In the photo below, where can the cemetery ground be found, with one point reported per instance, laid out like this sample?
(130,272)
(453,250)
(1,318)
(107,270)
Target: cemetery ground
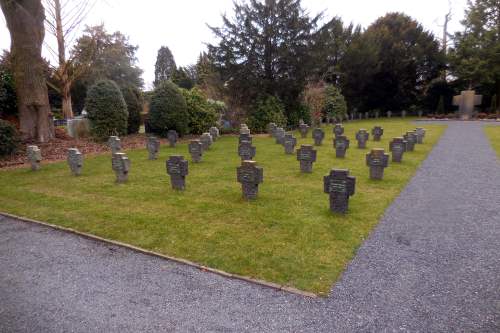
(287,236)
(493,134)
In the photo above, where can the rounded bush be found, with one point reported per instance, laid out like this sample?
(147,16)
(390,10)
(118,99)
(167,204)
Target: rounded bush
(133,99)
(106,110)
(168,110)
(267,110)
(9,138)
(201,113)
(335,105)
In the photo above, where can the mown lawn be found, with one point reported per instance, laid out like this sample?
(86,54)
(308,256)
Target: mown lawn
(288,236)
(493,133)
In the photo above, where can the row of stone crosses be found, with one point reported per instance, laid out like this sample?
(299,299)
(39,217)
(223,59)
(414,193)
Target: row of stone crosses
(338,184)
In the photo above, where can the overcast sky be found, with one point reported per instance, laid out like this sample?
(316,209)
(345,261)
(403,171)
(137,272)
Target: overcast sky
(182,24)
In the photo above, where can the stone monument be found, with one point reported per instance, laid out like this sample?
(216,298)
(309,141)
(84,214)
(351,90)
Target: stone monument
(172,137)
(196,150)
(271,127)
(341,144)
(206,140)
(339,186)
(177,168)
(303,129)
(377,133)
(214,132)
(115,144)
(338,129)
(250,176)
(153,146)
(34,157)
(289,142)
(466,102)
(362,136)
(306,155)
(245,137)
(279,135)
(420,132)
(121,166)
(397,146)
(411,139)
(75,161)
(246,151)
(377,160)
(318,135)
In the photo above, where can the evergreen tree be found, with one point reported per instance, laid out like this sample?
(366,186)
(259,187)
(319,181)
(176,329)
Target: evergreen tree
(440,106)
(335,105)
(165,66)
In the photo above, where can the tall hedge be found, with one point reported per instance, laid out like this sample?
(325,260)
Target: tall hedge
(133,99)
(202,115)
(107,110)
(335,105)
(267,109)
(168,110)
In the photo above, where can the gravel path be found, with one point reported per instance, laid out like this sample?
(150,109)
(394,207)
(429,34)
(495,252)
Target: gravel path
(432,264)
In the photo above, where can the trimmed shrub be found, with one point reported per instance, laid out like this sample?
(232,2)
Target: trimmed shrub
(335,105)
(267,109)
(107,110)
(301,111)
(168,110)
(201,113)
(9,138)
(8,100)
(133,99)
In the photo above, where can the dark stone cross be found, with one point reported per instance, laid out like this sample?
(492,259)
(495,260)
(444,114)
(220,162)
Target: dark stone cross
(339,186)
(177,168)
(318,135)
(115,144)
(340,143)
(411,140)
(289,142)
(466,102)
(279,134)
(362,136)
(196,150)
(153,146)
(397,146)
(420,133)
(121,166)
(377,160)
(306,155)
(271,128)
(75,161)
(250,176)
(246,151)
(245,137)
(338,129)
(303,129)
(206,140)
(172,137)
(377,133)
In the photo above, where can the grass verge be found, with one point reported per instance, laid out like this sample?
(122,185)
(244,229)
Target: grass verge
(493,134)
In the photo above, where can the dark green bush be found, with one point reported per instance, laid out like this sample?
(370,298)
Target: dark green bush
(106,110)
(300,111)
(267,109)
(8,101)
(133,99)
(201,113)
(335,105)
(9,138)
(168,110)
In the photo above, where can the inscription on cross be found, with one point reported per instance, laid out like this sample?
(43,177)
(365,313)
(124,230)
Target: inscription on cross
(196,150)
(411,139)
(177,168)
(250,175)
(339,186)
(153,146)
(377,133)
(341,144)
(172,137)
(303,129)
(289,142)
(338,129)
(377,160)
(245,137)
(318,136)
(306,155)
(362,136)
(397,146)
(246,151)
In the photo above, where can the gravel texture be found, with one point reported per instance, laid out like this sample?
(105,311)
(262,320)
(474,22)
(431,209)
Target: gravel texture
(432,264)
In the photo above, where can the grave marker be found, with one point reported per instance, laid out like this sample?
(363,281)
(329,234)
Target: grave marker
(341,144)
(304,129)
(177,168)
(410,139)
(172,137)
(289,142)
(279,135)
(121,166)
(250,176)
(115,144)
(377,133)
(214,132)
(34,157)
(245,137)
(153,146)
(338,129)
(246,151)
(206,140)
(339,186)
(377,160)
(306,155)
(397,146)
(466,102)
(362,136)
(271,127)
(420,133)
(318,135)
(195,148)
(75,161)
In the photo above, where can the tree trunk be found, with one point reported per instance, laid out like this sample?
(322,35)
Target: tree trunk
(67,108)
(25,20)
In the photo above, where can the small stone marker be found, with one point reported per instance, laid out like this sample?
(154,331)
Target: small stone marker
(377,133)
(246,151)
(279,135)
(397,146)
(377,114)
(303,129)
(306,155)
(362,136)
(115,144)
(360,115)
(34,157)
(271,127)
(214,132)
(420,132)
(339,186)
(340,143)
(411,139)
(318,135)
(403,114)
(245,137)
(367,115)
(338,129)
(75,161)
(250,176)
(420,113)
(172,137)
(196,150)
(377,160)
(153,146)
(389,114)
(177,168)
(206,140)
(289,142)
(121,166)
(244,129)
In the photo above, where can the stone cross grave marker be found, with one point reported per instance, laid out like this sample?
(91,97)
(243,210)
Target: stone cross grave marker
(339,186)
(246,151)
(177,168)
(318,135)
(303,129)
(250,175)
(279,135)
(306,155)
(245,137)
(360,115)
(397,146)
(341,144)
(289,142)
(206,140)
(338,129)
(121,166)
(153,146)
(34,157)
(420,133)
(172,137)
(196,150)
(403,114)
(389,114)
(75,161)
(115,144)
(367,115)
(411,139)
(271,128)
(377,133)
(377,114)
(466,102)
(377,160)
(244,129)
(214,132)
(362,136)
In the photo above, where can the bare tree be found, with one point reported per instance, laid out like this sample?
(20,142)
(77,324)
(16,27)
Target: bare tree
(25,20)
(63,19)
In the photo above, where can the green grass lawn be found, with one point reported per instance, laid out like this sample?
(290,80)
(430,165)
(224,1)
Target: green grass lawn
(287,236)
(493,133)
